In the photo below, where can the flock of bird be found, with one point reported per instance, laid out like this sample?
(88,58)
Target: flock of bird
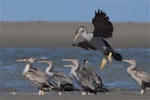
(51,79)
(90,82)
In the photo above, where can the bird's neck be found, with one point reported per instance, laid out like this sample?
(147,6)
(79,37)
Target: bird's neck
(75,67)
(27,67)
(131,71)
(74,70)
(133,66)
(49,68)
(87,36)
(84,66)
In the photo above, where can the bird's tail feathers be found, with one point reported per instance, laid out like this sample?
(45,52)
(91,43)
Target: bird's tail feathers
(117,56)
(102,89)
(47,89)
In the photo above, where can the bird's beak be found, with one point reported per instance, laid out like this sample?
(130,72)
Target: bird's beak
(76,36)
(66,59)
(125,60)
(40,61)
(67,65)
(20,60)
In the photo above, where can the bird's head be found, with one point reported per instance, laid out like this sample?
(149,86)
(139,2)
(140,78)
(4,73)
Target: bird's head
(45,60)
(74,61)
(80,30)
(85,62)
(131,61)
(31,59)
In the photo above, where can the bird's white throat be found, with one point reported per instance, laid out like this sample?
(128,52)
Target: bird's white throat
(87,36)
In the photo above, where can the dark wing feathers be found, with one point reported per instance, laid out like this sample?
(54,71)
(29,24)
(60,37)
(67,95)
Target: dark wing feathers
(61,77)
(85,45)
(38,78)
(102,26)
(86,81)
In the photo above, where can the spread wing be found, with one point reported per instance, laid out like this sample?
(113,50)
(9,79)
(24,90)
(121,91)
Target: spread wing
(102,26)
(85,45)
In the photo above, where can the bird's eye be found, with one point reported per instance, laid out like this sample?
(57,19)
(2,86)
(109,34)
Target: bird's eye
(82,31)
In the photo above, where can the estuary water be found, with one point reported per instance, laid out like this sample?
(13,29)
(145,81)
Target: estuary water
(114,76)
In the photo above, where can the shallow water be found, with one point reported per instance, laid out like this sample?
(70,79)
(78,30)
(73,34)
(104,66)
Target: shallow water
(114,76)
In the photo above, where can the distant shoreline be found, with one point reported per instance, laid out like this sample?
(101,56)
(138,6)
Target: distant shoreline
(48,35)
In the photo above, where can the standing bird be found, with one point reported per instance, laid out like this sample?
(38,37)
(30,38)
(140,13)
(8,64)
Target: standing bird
(103,28)
(60,80)
(88,84)
(36,76)
(94,76)
(142,78)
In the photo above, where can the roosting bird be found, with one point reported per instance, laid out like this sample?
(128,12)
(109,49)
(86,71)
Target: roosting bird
(103,28)
(141,78)
(60,80)
(36,76)
(87,83)
(94,76)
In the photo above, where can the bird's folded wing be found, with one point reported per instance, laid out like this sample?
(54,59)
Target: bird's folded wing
(61,77)
(38,79)
(86,81)
(143,75)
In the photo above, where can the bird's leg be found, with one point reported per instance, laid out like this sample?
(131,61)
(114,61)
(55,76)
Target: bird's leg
(59,93)
(142,91)
(104,61)
(110,57)
(42,92)
(89,93)
(92,93)
(84,93)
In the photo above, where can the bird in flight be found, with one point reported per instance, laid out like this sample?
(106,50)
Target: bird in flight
(95,40)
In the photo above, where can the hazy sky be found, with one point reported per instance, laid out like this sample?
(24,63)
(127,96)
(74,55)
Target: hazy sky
(74,10)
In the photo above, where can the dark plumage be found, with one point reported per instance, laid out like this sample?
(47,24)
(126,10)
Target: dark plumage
(88,84)
(103,28)
(95,76)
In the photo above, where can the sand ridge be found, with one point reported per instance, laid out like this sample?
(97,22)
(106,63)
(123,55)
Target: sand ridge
(60,34)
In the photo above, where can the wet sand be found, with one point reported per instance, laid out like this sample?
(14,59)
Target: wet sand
(78,97)
(61,34)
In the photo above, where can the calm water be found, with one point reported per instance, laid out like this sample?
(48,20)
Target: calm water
(114,76)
